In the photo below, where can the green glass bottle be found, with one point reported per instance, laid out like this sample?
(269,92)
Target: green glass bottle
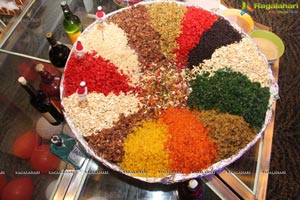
(72,23)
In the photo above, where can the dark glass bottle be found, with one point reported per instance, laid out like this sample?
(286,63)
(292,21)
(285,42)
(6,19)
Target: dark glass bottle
(41,102)
(49,82)
(58,53)
(72,23)
(190,190)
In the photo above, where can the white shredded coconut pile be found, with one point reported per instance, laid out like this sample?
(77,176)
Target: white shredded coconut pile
(101,111)
(110,42)
(241,57)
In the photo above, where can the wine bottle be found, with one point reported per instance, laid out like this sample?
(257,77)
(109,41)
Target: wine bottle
(190,190)
(49,82)
(41,102)
(72,23)
(58,53)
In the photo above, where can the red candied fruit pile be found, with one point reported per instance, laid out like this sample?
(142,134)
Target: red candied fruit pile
(195,22)
(100,75)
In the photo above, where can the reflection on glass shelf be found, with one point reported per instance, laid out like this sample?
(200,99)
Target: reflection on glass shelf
(245,167)
(91,6)
(42,17)
(102,183)
(17,118)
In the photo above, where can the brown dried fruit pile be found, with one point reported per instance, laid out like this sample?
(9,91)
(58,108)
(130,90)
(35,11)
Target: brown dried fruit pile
(230,132)
(108,143)
(141,36)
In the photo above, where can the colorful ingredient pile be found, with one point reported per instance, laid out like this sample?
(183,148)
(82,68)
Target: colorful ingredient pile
(230,92)
(211,40)
(141,35)
(145,145)
(168,27)
(190,149)
(226,131)
(195,22)
(171,89)
(100,75)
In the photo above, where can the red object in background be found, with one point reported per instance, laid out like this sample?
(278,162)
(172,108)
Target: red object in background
(50,83)
(48,67)
(43,160)
(18,189)
(3,182)
(51,69)
(25,69)
(25,144)
(132,2)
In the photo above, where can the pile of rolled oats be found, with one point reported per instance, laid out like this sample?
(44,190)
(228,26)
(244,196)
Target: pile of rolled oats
(101,111)
(241,57)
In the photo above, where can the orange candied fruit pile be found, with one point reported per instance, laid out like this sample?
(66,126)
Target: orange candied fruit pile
(190,149)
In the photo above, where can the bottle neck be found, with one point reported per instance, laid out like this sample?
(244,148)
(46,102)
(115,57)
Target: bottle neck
(68,14)
(52,41)
(46,76)
(42,97)
(65,6)
(194,186)
(28,87)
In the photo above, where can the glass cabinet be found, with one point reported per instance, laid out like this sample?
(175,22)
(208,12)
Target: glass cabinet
(22,45)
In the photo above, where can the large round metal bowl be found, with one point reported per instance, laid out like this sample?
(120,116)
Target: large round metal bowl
(173,178)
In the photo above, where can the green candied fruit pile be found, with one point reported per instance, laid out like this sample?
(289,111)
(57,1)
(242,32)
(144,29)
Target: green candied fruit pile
(230,92)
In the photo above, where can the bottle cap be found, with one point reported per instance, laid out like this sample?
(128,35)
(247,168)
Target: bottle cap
(55,139)
(193,184)
(51,39)
(82,89)
(22,80)
(48,35)
(39,67)
(63,3)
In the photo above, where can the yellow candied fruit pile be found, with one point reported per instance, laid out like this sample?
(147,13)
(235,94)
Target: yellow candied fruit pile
(145,154)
